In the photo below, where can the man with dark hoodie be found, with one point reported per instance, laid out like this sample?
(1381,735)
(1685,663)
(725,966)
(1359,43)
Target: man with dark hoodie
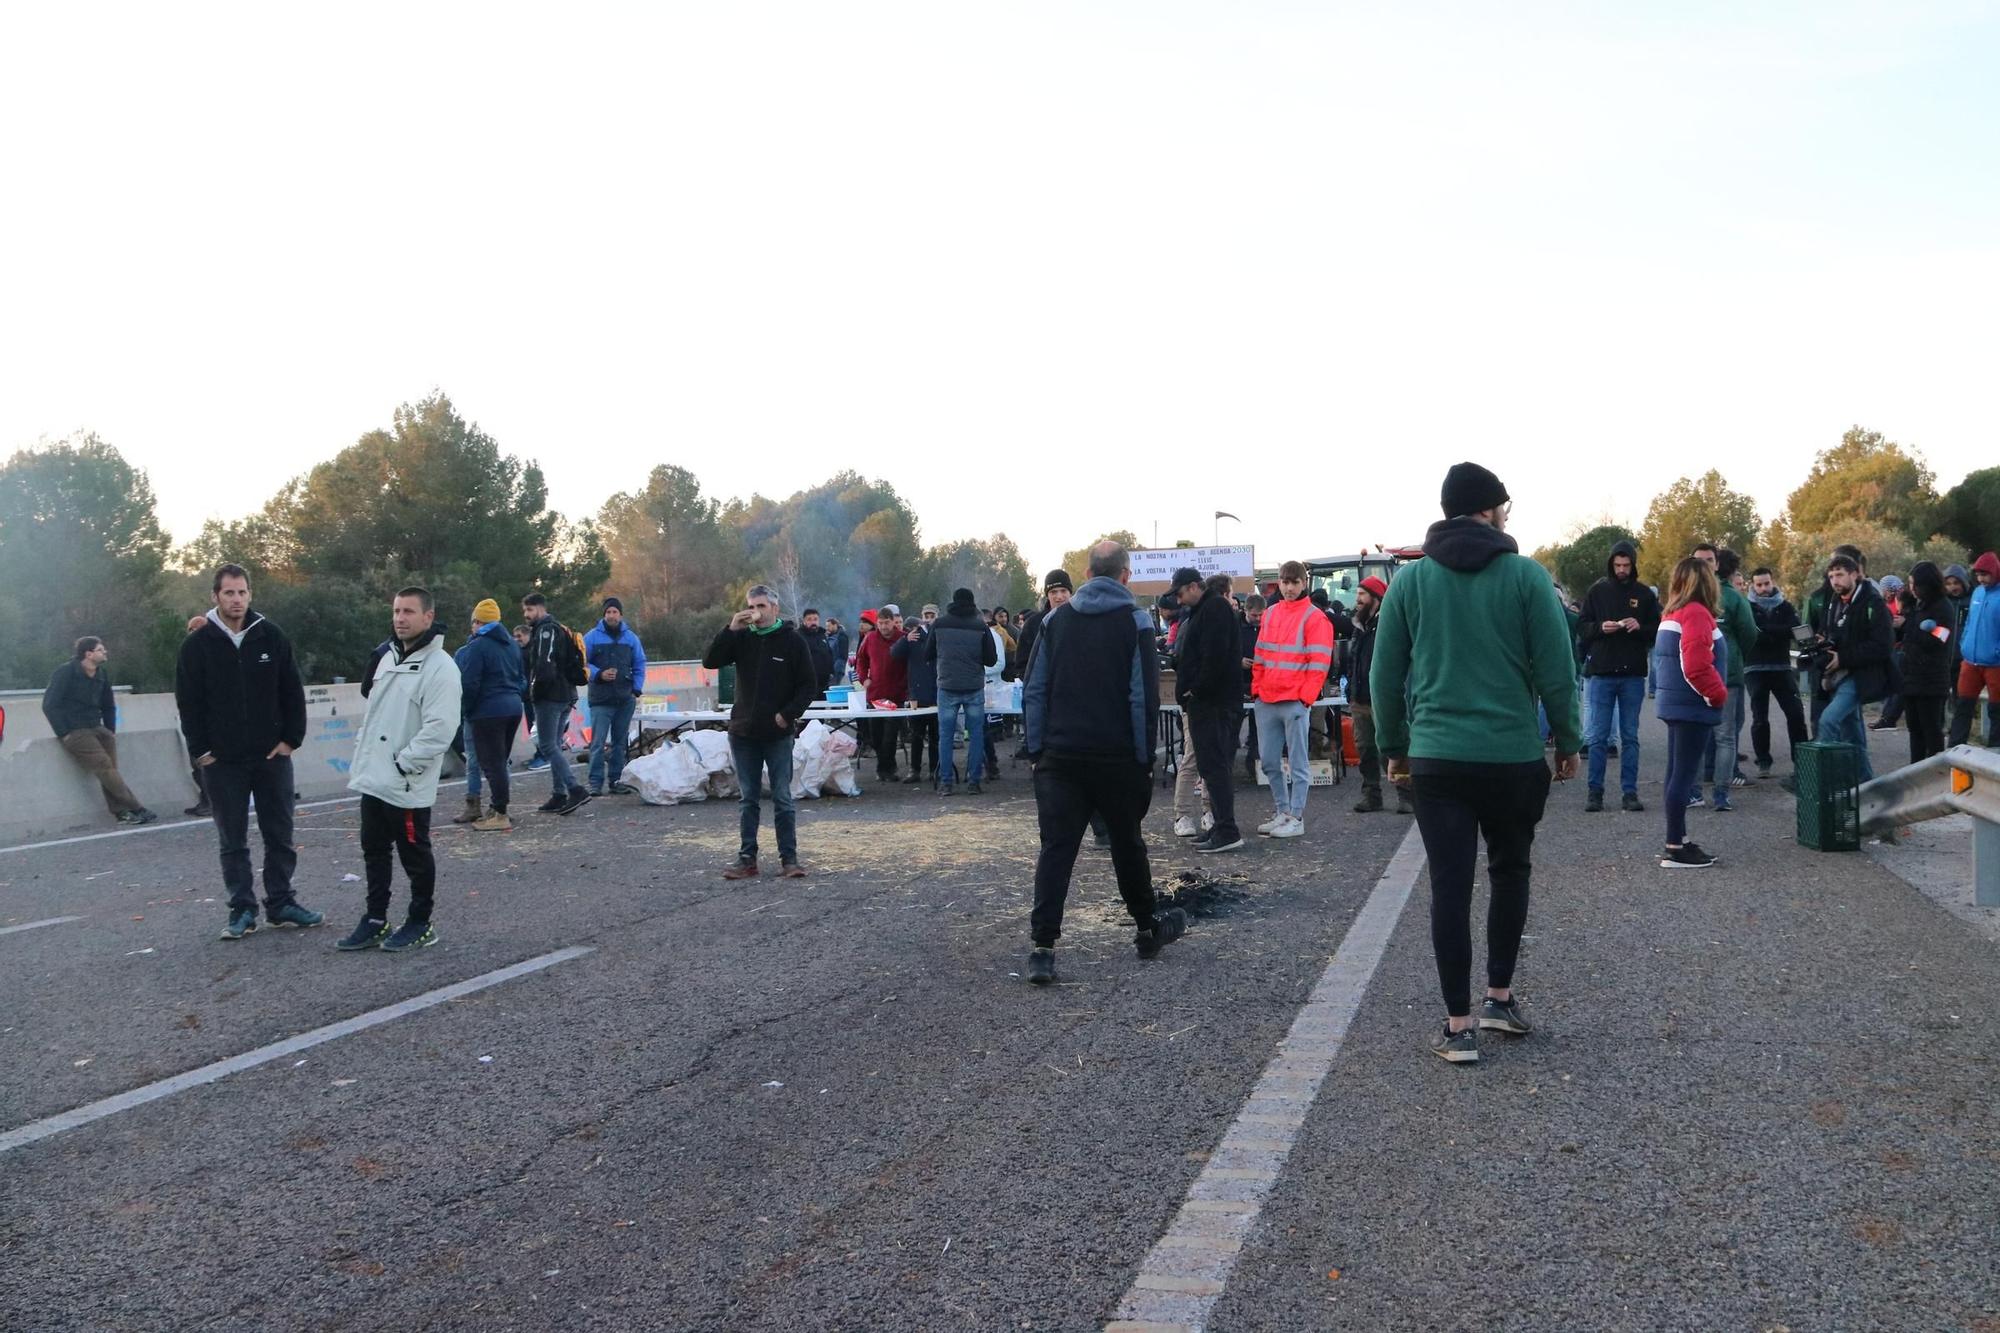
(1056,590)
(774,683)
(1768,674)
(1208,685)
(1469,638)
(615,661)
(1091,707)
(549,658)
(1620,616)
(957,650)
(243,712)
(821,648)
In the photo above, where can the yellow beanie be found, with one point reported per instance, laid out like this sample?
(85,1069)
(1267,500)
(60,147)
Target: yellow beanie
(486,613)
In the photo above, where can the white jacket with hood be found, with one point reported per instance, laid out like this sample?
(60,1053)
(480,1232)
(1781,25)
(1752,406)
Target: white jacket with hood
(412,716)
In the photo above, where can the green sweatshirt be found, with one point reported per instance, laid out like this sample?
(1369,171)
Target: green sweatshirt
(1468,640)
(1739,626)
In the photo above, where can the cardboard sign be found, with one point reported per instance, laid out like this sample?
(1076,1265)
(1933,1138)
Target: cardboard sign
(1153,570)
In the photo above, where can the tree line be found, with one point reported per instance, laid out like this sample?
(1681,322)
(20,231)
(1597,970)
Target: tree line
(433,499)
(1867,491)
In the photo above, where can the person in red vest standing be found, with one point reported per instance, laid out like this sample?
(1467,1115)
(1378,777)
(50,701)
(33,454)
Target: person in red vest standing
(1294,653)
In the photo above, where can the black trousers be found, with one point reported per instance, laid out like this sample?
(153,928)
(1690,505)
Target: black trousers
(493,742)
(1925,715)
(1214,732)
(1068,791)
(1457,803)
(884,734)
(923,731)
(231,784)
(385,826)
(1764,687)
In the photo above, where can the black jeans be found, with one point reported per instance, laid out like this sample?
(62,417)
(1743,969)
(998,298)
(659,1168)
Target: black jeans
(384,826)
(884,734)
(1214,733)
(231,784)
(1068,792)
(1456,804)
(493,743)
(923,731)
(1925,715)
(1764,687)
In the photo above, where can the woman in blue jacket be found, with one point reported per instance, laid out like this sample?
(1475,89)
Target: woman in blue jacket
(493,683)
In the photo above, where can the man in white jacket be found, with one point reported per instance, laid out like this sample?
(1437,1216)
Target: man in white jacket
(412,714)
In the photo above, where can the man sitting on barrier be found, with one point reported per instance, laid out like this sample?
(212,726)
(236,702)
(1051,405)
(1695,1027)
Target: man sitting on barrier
(81,712)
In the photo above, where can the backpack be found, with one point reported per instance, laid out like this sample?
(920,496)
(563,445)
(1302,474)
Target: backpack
(570,659)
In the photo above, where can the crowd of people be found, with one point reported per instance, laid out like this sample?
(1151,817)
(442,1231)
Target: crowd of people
(1460,677)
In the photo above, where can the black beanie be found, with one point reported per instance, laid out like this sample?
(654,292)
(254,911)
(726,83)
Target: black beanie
(1471,489)
(1058,578)
(611,603)
(963,601)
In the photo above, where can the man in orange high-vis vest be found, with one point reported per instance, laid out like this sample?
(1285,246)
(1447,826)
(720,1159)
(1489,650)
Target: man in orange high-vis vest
(1294,653)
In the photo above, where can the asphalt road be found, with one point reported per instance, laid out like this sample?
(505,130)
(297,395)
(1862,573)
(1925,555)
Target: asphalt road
(1758,1097)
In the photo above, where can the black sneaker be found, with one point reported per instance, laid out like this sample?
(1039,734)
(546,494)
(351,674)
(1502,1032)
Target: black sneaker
(199,811)
(410,935)
(1209,844)
(1459,1048)
(1168,926)
(552,806)
(1687,856)
(1630,802)
(368,935)
(1594,802)
(1041,966)
(578,798)
(1503,1016)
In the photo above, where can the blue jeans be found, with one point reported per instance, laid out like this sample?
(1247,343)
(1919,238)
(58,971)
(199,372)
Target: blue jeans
(610,723)
(1282,727)
(1841,723)
(551,720)
(1627,694)
(969,706)
(752,758)
(1721,767)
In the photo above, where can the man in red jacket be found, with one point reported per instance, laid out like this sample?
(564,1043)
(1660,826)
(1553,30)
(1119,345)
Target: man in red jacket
(883,676)
(1294,653)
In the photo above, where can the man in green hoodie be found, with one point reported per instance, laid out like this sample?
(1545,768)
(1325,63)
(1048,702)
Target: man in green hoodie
(1469,640)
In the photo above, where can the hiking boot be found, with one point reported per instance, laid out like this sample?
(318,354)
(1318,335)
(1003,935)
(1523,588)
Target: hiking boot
(1184,827)
(1629,802)
(496,821)
(368,935)
(1293,827)
(472,813)
(1503,1016)
(553,806)
(240,924)
(1041,966)
(974,789)
(1370,802)
(1594,802)
(791,870)
(410,935)
(622,789)
(1459,1048)
(741,870)
(1687,856)
(291,914)
(1209,844)
(578,798)
(1168,926)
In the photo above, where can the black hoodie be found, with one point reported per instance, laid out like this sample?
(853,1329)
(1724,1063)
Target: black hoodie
(1626,652)
(1209,657)
(237,703)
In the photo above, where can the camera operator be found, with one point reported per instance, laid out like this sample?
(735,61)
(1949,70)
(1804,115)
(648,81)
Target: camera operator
(1859,635)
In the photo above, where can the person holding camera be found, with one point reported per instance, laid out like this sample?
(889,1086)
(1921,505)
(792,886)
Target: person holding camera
(1692,658)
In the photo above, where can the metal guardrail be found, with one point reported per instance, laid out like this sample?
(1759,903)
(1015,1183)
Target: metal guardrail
(1964,780)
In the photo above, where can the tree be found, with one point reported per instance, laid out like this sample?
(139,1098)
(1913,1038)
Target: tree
(1077,563)
(1887,550)
(1865,477)
(668,548)
(1694,511)
(992,568)
(1970,511)
(81,552)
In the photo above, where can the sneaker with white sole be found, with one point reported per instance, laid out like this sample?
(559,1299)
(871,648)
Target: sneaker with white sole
(1459,1048)
(1687,856)
(1293,827)
(1271,823)
(1184,827)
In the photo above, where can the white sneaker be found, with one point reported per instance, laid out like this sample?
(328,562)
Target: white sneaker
(1184,827)
(1291,828)
(1207,821)
(1269,826)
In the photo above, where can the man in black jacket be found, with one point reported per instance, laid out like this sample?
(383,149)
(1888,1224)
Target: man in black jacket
(1855,623)
(79,706)
(243,713)
(959,648)
(1208,685)
(774,683)
(1621,616)
(1361,704)
(821,648)
(1769,673)
(552,662)
(1091,706)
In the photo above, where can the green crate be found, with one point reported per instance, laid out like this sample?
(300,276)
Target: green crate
(1829,795)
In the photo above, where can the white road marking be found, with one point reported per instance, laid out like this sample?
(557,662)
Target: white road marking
(1184,1275)
(277,1050)
(166,825)
(37,925)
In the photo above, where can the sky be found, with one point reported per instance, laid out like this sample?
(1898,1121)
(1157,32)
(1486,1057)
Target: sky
(1050,270)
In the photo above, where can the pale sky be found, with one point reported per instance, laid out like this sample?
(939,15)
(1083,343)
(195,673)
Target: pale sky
(1048,269)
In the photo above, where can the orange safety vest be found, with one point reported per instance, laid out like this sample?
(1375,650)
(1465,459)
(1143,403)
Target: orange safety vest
(1294,653)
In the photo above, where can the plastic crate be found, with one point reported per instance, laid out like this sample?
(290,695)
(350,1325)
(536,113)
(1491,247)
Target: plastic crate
(1829,796)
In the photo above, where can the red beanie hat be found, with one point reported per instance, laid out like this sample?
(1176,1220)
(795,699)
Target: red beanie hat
(1376,586)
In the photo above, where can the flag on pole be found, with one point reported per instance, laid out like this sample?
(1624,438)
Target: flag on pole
(1220,514)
